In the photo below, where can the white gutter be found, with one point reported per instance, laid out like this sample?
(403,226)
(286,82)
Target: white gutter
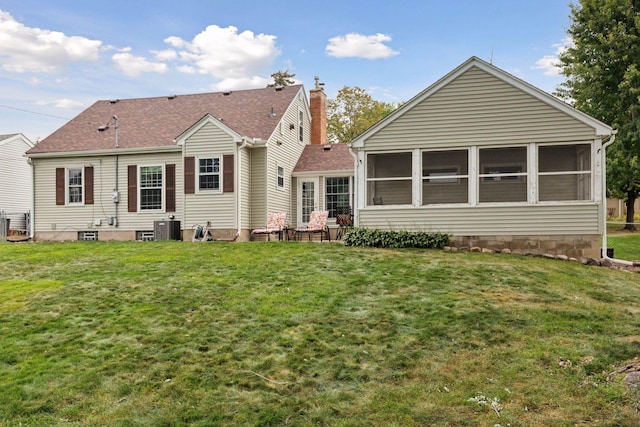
(603,153)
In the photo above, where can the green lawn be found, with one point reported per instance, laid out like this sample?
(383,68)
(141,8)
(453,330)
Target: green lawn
(305,334)
(626,244)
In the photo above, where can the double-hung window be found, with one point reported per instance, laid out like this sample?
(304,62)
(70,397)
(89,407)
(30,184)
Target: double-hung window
(337,194)
(209,174)
(74,186)
(445,177)
(151,187)
(564,172)
(503,174)
(279,177)
(389,178)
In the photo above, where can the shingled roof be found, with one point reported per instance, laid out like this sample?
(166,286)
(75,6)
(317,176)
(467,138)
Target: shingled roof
(156,122)
(325,158)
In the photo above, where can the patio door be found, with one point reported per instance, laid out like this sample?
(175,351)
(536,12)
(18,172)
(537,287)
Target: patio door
(308,189)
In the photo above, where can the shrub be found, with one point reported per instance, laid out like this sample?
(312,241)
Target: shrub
(394,239)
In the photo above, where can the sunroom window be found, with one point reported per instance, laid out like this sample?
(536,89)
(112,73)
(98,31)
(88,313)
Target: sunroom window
(445,177)
(503,175)
(564,172)
(389,179)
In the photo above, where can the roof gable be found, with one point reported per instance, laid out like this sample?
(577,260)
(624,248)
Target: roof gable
(7,139)
(535,93)
(144,123)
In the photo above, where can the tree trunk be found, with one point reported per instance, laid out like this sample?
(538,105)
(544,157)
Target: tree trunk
(631,202)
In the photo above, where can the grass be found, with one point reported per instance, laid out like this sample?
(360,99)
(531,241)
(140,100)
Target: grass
(284,333)
(626,244)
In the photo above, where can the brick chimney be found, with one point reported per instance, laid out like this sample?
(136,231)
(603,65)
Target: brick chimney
(318,107)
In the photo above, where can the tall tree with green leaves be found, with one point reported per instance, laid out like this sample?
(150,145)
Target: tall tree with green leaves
(352,112)
(603,79)
(282,78)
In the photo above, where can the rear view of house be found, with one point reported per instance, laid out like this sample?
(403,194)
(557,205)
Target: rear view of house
(491,160)
(222,160)
(16,192)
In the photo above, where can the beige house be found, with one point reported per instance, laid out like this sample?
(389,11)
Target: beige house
(218,159)
(491,160)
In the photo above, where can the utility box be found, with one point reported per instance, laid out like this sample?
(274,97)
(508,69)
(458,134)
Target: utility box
(166,230)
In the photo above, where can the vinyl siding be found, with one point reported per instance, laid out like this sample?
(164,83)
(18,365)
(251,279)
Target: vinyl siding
(286,154)
(245,187)
(258,188)
(217,208)
(50,217)
(15,175)
(489,220)
(478,109)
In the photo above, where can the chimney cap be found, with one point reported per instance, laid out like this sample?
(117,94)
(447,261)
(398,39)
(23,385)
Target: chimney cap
(319,86)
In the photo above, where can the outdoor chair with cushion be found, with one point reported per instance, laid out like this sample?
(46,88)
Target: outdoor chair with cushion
(276,224)
(344,220)
(317,224)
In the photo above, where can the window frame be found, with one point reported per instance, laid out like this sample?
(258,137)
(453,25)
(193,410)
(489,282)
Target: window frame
(300,126)
(449,179)
(577,173)
(68,186)
(370,199)
(496,178)
(327,194)
(198,174)
(280,187)
(162,188)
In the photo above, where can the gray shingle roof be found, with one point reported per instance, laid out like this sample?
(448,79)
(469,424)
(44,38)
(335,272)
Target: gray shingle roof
(156,122)
(324,158)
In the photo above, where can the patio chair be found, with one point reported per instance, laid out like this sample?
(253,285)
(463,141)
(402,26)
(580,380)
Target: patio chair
(344,220)
(276,224)
(317,224)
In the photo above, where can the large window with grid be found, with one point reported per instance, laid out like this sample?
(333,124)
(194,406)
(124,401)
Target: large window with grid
(151,187)
(209,174)
(564,172)
(338,194)
(74,186)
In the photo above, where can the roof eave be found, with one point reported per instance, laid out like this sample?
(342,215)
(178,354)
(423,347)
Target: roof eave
(111,152)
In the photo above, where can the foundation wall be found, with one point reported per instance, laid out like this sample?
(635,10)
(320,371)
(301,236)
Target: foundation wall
(574,246)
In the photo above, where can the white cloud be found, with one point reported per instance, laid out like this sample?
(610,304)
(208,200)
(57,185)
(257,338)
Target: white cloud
(226,54)
(550,63)
(240,83)
(25,49)
(165,55)
(360,46)
(133,66)
(64,103)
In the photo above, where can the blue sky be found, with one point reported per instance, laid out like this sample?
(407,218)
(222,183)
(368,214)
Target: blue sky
(58,57)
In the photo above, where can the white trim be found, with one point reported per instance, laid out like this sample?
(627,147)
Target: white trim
(278,176)
(67,186)
(316,197)
(197,174)
(600,128)
(207,119)
(162,190)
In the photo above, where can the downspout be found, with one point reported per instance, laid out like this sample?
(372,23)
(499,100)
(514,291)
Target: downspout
(603,153)
(245,143)
(116,194)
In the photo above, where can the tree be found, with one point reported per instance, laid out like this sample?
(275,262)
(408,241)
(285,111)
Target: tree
(282,78)
(352,112)
(603,79)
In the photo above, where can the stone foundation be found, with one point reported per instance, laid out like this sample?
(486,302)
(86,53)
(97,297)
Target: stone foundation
(573,246)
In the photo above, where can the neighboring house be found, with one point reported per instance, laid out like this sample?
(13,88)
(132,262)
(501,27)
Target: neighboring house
(15,173)
(218,159)
(617,208)
(490,159)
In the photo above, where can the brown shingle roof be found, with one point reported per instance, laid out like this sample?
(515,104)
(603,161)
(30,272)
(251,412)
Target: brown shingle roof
(156,122)
(324,158)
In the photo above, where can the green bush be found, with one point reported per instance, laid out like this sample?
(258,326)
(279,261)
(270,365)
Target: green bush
(394,239)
